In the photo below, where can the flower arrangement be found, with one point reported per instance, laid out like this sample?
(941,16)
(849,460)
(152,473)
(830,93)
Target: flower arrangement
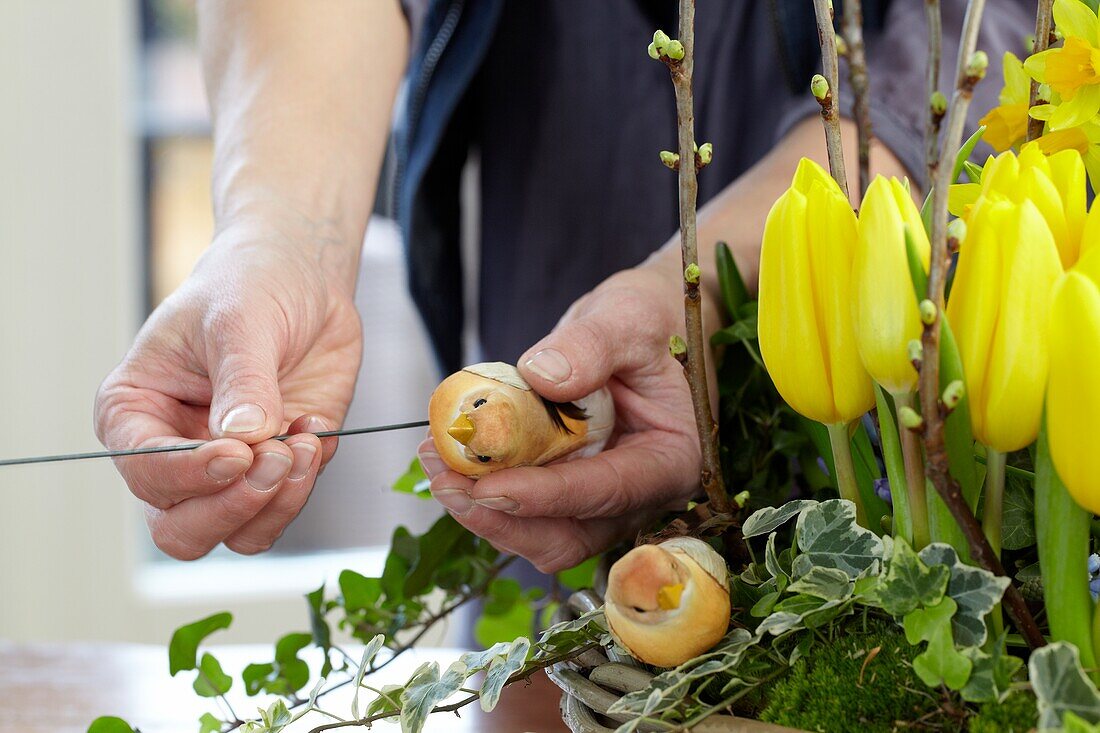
(937,368)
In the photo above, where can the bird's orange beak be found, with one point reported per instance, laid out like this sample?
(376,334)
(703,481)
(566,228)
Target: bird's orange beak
(462,429)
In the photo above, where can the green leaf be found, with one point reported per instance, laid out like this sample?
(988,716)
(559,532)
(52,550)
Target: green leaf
(734,292)
(322,634)
(500,670)
(359,591)
(276,717)
(916,266)
(369,653)
(1061,686)
(828,584)
(183,649)
(516,620)
(991,678)
(1071,723)
(580,576)
(209,723)
(427,689)
(908,583)
(940,663)
(255,677)
(435,547)
(960,158)
(974,590)
(829,537)
(414,481)
(895,464)
(404,549)
(211,680)
(1018,524)
(765,520)
(109,724)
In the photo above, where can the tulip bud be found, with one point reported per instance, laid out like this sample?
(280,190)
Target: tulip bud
(909,418)
(819,85)
(953,394)
(668,603)
(691,274)
(938,103)
(670,159)
(674,50)
(928,312)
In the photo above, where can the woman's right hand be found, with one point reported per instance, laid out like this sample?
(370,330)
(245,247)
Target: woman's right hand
(261,339)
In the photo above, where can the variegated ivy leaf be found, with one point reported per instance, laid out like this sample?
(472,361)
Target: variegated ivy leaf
(829,537)
(1061,686)
(771,560)
(908,583)
(976,591)
(767,519)
(500,670)
(476,661)
(369,653)
(828,584)
(800,612)
(426,690)
(992,673)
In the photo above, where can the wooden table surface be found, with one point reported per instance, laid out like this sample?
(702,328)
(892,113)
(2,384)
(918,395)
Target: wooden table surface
(61,688)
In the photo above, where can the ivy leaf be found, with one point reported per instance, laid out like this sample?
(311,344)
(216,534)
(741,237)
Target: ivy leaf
(414,481)
(828,536)
(828,584)
(1019,514)
(209,723)
(515,620)
(1071,723)
(427,689)
(992,673)
(940,663)
(1061,686)
(358,591)
(318,624)
(976,591)
(276,717)
(769,518)
(500,670)
(255,677)
(434,548)
(211,681)
(109,724)
(369,653)
(387,702)
(580,576)
(286,675)
(183,649)
(771,560)
(908,583)
(404,551)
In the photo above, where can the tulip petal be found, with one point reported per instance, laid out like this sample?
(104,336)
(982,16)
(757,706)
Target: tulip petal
(1074,18)
(790,342)
(809,172)
(1041,191)
(1073,392)
(1067,172)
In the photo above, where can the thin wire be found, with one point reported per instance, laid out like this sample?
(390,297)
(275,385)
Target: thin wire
(193,446)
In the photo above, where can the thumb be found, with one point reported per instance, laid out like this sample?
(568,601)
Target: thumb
(246,403)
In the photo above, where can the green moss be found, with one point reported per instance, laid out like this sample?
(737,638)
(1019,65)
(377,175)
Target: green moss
(1017,714)
(839,688)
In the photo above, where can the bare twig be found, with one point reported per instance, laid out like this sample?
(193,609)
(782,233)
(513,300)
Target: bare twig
(1043,27)
(695,366)
(857,74)
(932,86)
(970,69)
(830,108)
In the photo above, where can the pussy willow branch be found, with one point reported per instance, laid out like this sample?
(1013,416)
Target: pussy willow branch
(830,107)
(520,675)
(696,367)
(932,408)
(1043,27)
(424,627)
(857,74)
(932,84)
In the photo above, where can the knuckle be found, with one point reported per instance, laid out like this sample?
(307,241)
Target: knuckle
(173,543)
(561,555)
(250,545)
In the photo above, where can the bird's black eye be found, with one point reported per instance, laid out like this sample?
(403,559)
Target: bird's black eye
(479,403)
(484,459)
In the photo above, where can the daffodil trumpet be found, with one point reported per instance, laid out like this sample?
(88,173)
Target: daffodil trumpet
(668,603)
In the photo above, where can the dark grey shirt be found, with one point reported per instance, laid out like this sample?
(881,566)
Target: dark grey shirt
(569,112)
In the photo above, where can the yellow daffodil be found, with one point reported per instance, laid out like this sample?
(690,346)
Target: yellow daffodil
(999,307)
(1055,184)
(1073,70)
(1073,389)
(1006,124)
(806,335)
(885,308)
(1084,138)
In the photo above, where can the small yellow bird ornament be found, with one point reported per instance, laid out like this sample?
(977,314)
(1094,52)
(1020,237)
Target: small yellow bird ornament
(486,418)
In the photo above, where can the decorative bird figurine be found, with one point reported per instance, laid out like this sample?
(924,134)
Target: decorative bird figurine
(486,417)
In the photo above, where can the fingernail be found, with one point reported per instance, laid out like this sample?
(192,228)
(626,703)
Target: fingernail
(432,464)
(244,418)
(303,459)
(224,468)
(267,471)
(314,424)
(499,503)
(551,365)
(455,500)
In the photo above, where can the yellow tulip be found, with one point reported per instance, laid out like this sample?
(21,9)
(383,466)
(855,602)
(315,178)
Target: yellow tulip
(1073,389)
(806,335)
(999,306)
(885,307)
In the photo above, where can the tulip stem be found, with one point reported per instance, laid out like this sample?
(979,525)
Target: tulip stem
(830,107)
(1042,40)
(846,482)
(915,484)
(857,75)
(993,503)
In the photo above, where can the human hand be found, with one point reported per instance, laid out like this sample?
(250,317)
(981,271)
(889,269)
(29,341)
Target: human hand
(558,515)
(262,338)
